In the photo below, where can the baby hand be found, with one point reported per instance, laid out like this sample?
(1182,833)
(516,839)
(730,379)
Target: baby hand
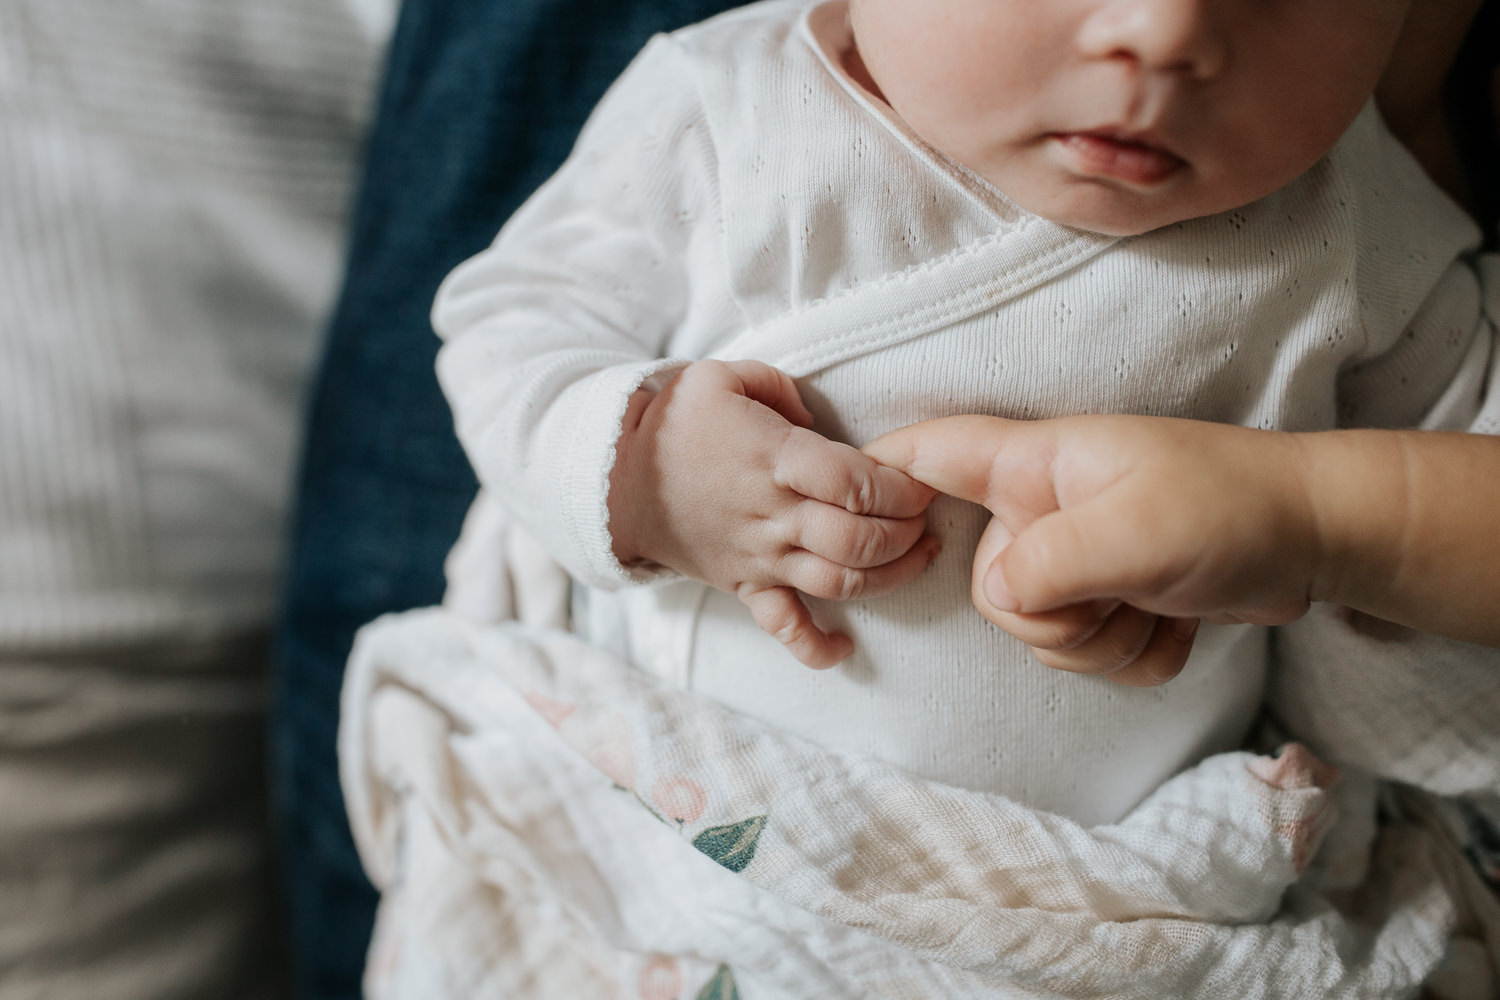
(1113,535)
(718,477)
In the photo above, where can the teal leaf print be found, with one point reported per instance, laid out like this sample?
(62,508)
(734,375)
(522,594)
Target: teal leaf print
(721,986)
(732,846)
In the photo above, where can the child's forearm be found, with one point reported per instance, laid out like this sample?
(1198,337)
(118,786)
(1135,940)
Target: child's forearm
(1410,527)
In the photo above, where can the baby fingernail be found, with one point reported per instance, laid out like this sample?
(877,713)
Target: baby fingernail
(997,592)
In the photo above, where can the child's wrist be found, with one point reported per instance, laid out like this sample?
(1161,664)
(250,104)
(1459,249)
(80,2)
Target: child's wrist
(625,484)
(1357,489)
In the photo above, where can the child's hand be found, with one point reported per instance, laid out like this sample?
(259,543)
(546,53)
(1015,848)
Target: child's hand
(1113,535)
(718,478)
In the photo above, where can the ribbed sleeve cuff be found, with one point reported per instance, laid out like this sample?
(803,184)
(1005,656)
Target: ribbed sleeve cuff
(588,464)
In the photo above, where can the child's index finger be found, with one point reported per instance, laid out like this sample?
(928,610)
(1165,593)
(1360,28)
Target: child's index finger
(960,456)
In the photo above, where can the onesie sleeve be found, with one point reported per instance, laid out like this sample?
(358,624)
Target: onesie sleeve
(1486,419)
(549,331)
(1410,707)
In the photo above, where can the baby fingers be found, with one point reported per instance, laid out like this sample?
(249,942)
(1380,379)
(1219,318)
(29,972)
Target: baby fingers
(781,614)
(820,577)
(853,540)
(815,467)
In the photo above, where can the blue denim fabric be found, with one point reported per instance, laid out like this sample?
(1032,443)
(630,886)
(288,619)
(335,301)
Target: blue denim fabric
(481,101)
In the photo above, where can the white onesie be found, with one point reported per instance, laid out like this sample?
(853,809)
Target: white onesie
(736,196)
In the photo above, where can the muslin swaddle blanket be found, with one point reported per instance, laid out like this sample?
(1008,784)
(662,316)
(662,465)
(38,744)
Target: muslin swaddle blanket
(545,821)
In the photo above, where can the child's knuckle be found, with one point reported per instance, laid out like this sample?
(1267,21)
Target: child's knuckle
(851,584)
(869,543)
(865,494)
(1071,634)
(787,631)
(819,582)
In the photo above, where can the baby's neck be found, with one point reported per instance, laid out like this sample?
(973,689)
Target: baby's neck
(854,65)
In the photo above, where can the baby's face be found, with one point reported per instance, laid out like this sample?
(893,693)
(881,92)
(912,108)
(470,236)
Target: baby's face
(1122,116)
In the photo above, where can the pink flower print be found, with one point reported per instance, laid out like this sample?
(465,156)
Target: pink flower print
(1294,767)
(679,798)
(551,710)
(660,979)
(610,750)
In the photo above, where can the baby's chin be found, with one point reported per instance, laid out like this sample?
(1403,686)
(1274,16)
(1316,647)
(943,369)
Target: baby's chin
(1111,218)
(1115,210)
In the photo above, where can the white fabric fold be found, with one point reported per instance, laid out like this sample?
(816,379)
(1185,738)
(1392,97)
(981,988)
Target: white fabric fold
(545,820)
(569,805)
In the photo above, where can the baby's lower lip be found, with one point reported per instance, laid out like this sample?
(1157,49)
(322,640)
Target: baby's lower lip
(1095,155)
